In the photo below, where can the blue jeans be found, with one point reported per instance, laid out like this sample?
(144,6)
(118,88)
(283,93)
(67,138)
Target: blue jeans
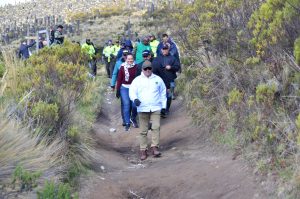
(172,88)
(128,107)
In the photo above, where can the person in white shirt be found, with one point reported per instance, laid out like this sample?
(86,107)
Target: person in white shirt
(148,92)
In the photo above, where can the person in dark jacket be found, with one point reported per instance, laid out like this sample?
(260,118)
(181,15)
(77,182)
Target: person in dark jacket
(166,66)
(173,48)
(147,55)
(58,35)
(125,45)
(24,49)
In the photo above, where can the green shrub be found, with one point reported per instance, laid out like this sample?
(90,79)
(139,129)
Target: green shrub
(55,191)
(297,51)
(2,69)
(54,97)
(265,93)
(45,112)
(25,180)
(234,97)
(252,61)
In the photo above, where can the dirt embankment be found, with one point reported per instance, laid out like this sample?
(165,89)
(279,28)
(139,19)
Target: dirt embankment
(190,166)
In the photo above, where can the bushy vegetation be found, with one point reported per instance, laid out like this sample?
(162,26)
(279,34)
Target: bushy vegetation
(51,96)
(243,79)
(57,191)
(25,180)
(2,69)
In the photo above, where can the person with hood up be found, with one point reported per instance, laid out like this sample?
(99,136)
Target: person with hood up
(24,49)
(126,45)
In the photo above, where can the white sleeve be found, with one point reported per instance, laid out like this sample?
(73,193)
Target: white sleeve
(163,94)
(133,90)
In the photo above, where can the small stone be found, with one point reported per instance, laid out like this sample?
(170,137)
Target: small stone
(112,130)
(102,168)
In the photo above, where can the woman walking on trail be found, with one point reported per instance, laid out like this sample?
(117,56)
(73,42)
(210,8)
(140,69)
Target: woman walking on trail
(125,77)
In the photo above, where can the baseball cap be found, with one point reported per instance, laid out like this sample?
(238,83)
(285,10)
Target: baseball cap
(125,52)
(166,46)
(146,64)
(146,53)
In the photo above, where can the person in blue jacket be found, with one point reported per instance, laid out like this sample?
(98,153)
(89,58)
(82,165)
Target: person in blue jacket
(115,76)
(173,50)
(24,49)
(125,45)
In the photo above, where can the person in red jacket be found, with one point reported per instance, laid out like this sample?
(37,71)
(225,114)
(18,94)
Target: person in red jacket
(126,75)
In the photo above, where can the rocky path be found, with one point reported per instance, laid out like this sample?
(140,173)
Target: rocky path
(190,166)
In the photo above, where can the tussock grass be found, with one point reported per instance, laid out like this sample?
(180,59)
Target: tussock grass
(50,107)
(17,147)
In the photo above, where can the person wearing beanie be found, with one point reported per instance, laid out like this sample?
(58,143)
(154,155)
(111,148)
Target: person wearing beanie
(148,92)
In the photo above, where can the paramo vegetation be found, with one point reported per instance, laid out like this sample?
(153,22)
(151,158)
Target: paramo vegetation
(49,105)
(242,67)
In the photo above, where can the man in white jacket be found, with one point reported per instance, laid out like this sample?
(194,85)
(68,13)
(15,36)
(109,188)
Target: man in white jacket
(148,92)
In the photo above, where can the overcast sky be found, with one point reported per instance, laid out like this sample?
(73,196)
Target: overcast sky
(4,2)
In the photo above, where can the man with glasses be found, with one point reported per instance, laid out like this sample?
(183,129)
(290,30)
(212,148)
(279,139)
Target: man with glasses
(148,92)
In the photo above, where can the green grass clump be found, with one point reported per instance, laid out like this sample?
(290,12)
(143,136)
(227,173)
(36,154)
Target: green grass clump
(56,191)
(2,69)
(24,179)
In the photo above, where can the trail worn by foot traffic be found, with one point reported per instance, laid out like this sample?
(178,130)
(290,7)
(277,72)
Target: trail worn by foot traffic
(190,166)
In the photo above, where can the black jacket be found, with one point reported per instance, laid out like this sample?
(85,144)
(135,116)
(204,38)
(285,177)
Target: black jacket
(159,68)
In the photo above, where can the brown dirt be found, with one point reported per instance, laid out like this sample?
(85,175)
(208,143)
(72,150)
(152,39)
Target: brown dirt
(190,166)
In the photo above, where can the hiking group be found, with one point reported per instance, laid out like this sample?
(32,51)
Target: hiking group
(142,75)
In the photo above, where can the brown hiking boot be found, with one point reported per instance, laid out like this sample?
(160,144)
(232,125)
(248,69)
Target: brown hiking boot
(155,151)
(143,154)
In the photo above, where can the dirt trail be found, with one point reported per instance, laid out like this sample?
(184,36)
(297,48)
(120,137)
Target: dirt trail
(190,166)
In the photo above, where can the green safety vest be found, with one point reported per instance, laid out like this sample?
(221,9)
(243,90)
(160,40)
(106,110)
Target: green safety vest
(88,49)
(109,50)
(154,45)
